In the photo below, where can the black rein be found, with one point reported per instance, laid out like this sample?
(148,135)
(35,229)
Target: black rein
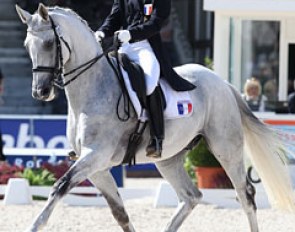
(58,75)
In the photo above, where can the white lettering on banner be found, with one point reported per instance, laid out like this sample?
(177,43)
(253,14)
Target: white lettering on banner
(28,164)
(8,140)
(24,139)
(18,162)
(57,140)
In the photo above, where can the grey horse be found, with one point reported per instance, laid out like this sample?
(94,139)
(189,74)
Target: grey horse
(59,41)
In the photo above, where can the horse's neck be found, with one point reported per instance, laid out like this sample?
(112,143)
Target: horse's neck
(83,44)
(95,89)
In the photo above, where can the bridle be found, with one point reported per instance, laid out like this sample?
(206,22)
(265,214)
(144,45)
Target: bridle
(58,75)
(57,70)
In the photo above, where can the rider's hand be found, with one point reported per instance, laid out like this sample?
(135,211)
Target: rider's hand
(99,35)
(123,36)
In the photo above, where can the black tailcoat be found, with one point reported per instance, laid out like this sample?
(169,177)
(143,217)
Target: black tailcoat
(129,15)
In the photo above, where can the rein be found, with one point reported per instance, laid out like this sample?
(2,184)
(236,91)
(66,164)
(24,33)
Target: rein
(124,95)
(57,70)
(58,75)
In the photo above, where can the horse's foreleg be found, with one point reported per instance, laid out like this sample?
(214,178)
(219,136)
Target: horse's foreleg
(77,173)
(105,182)
(173,171)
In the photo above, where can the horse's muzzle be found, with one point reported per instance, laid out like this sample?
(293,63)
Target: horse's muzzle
(43,94)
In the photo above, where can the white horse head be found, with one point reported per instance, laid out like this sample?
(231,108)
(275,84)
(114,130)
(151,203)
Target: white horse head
(51,49)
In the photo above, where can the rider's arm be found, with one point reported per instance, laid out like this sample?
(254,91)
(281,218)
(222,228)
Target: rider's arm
(113,22)
(161,12)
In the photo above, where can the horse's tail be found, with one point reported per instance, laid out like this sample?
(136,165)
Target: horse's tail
(268,155)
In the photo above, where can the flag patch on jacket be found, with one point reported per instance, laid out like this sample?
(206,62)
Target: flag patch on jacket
(184,107)
(148,9)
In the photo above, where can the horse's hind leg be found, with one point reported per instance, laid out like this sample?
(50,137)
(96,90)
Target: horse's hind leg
(230,155)
(245,192)
(105,182)
(189,196)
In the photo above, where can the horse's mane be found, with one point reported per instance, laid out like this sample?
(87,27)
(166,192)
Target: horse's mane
(70,12)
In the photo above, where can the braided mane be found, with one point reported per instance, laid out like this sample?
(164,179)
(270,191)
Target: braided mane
(70,12)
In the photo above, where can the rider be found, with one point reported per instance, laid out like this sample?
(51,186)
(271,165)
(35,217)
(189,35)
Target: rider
(137,24)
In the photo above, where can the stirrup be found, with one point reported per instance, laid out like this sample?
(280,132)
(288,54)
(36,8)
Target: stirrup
(154,149)
(73,156)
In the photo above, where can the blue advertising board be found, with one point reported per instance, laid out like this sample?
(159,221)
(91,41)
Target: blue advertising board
(32,132)
(41,132)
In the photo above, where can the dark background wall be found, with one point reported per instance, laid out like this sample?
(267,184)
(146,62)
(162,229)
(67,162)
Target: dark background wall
(196,24)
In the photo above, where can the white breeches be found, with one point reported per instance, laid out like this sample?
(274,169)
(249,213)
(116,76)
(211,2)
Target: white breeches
(143,54)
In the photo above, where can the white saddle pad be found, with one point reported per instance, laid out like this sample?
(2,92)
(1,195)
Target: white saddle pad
(178,104)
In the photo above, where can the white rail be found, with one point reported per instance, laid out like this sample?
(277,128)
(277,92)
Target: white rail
(35,152)
(79,195)
(88,196)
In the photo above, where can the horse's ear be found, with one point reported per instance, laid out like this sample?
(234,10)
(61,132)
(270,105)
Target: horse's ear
(43,12)
(24,15)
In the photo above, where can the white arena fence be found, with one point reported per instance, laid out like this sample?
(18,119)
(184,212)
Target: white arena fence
(163,194)
(78,195)
(20,131)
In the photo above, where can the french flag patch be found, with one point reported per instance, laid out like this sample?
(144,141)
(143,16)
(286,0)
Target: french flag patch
(148,9)
(184,107)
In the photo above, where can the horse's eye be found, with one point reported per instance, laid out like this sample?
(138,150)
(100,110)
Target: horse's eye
(48,44)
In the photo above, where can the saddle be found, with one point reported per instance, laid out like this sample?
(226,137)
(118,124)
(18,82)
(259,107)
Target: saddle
(137,78)
(178,103)
(138,85)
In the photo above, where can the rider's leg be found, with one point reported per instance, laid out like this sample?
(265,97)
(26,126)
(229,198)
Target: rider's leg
(156,122)
(143,54)
(151,68)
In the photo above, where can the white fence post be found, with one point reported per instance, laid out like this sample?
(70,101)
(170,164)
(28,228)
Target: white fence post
(17,192)
(165,196)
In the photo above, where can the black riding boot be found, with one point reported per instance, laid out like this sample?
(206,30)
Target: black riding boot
(156,122)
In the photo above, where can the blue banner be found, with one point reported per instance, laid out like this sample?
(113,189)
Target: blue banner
(42,133)
(34,133)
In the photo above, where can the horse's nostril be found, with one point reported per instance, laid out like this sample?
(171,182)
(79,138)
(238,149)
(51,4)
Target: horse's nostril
(45,92)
